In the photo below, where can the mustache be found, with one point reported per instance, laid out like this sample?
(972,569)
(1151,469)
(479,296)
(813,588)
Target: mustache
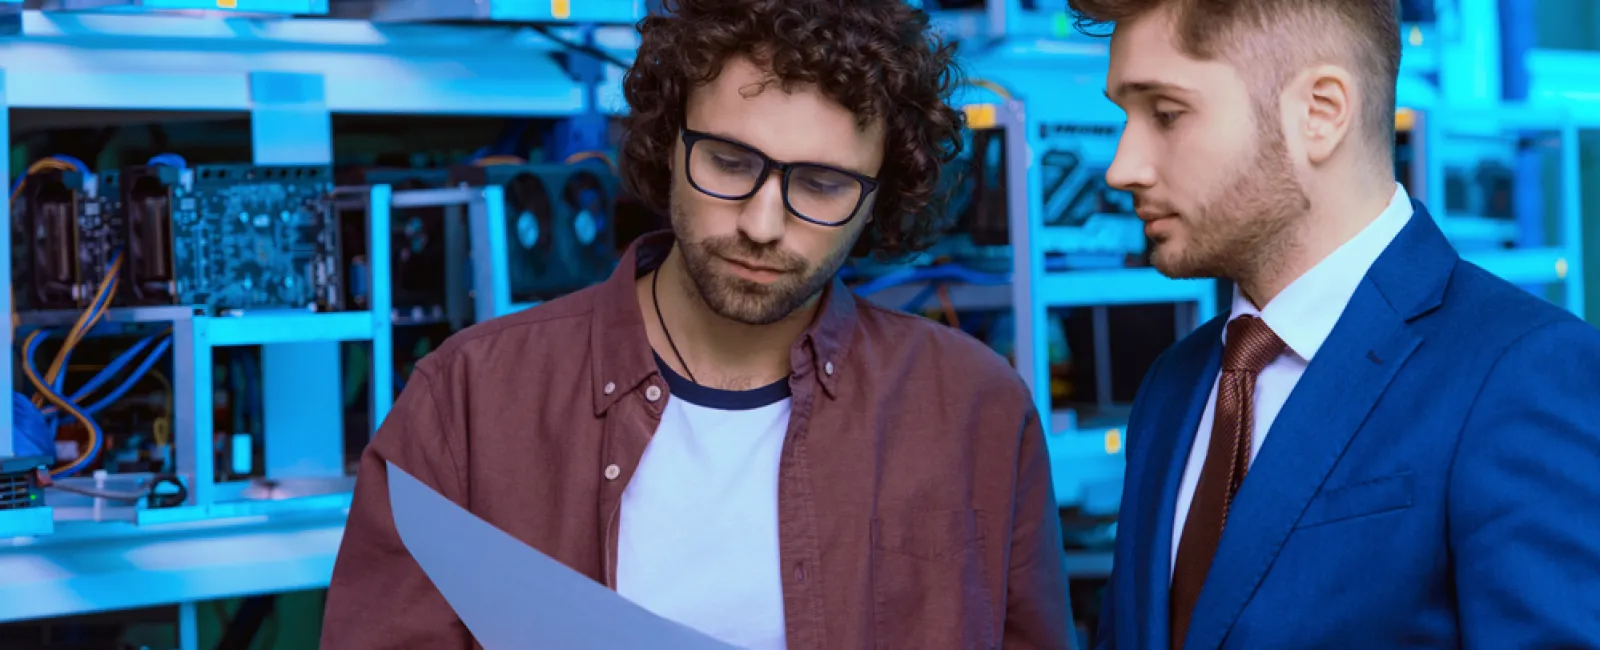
(1142,204)
(740,248)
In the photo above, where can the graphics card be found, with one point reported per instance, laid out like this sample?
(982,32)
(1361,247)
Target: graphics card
(233,237)
(560,225)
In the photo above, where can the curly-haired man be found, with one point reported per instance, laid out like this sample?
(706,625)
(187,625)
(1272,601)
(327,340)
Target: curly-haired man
(722,432)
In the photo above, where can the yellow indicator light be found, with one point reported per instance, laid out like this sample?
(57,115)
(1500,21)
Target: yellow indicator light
(980,116)
(1561,268)
(1416,36)
(1404,119)
(1113,441)
(561,9)
(227,4)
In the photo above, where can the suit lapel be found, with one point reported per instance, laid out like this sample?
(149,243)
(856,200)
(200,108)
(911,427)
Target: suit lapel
(1182,401)
(1332,400)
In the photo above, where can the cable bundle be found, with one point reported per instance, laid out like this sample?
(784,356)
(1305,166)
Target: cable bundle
(36,418)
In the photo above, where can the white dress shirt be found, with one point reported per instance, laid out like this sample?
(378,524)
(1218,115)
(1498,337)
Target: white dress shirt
(1303,316)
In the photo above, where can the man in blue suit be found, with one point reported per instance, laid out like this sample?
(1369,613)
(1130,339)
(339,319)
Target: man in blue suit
(1380,446)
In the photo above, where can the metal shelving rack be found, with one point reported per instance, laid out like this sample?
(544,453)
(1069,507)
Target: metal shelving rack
(289,76)
(1548,231)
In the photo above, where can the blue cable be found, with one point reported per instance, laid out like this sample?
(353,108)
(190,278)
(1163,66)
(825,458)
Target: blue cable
(99,305)
(943,272)
(61,378)
(98,435)
(17,182)
(33,436)
(105,374)
(127,384)
(82,168)
(168,159)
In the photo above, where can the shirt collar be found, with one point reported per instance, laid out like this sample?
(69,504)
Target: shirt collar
(620,348)
(1305,313)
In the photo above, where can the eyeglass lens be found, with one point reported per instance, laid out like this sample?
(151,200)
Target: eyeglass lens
(729,170)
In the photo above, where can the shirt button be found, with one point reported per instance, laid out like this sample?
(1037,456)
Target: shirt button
(799,573)
(828,368)
(611,387)
(612,472)
(652,393)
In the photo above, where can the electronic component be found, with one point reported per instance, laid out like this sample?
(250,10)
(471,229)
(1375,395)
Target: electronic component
(425,246)
(233,237)
(19,482)
(65,229)
(1083,216)
(980,202)
(102,231)
(560,225)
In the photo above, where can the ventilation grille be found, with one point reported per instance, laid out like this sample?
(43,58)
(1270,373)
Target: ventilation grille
(16,492)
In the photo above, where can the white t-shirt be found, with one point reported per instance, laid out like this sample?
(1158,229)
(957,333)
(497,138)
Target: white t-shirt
(698,536)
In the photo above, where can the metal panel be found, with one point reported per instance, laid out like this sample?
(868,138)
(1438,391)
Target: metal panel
(191,407)
(269,328)
(5,263)
(1030,338)
(289,119)
(85,60)
(381,399)
(539,11)
(89,567)
(26,522)
(258,7)
(304,402)
(1129,286)
(486,218)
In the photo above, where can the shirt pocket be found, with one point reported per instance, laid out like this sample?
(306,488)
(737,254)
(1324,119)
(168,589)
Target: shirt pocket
(1358,500)
(930,586)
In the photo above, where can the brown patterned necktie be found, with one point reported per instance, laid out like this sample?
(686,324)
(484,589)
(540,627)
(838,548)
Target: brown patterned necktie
(1251,345)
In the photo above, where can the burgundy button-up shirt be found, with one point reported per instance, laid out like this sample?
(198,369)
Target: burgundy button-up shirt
(915,501)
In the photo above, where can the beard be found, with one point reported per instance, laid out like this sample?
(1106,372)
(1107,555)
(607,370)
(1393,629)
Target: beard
(741,300)
(1247,227)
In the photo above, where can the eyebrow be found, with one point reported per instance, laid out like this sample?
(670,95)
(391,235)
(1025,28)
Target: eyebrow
(824,163)
(1124,89)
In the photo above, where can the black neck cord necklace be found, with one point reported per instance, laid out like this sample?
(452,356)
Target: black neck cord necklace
(654,280)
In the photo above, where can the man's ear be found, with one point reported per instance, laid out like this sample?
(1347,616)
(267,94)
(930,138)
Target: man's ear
(1328,93)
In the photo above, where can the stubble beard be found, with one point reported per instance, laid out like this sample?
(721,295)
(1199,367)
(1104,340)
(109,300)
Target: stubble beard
(1250,225)
(741,300)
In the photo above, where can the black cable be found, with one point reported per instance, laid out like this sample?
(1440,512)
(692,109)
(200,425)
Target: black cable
(582,48)
(152,494)
(668,333)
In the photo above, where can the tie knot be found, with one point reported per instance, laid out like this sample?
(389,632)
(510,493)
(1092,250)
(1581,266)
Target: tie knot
(1251,345)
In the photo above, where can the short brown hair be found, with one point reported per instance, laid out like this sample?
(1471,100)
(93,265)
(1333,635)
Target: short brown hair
(877,58)
(1367,38)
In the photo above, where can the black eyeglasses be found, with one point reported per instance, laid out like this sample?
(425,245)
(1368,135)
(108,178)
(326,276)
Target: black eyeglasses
(820,194)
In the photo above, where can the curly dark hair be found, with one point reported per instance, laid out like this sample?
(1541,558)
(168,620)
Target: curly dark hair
(877,58)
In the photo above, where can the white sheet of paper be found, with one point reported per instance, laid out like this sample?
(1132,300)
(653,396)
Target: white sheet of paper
(511,596)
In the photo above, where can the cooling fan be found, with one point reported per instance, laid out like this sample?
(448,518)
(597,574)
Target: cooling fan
(590,204)
(531,252)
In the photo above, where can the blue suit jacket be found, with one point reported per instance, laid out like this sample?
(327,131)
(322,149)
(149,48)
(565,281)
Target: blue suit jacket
(1432,482)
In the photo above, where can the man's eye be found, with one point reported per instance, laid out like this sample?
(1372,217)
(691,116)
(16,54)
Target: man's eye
(1166,118)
